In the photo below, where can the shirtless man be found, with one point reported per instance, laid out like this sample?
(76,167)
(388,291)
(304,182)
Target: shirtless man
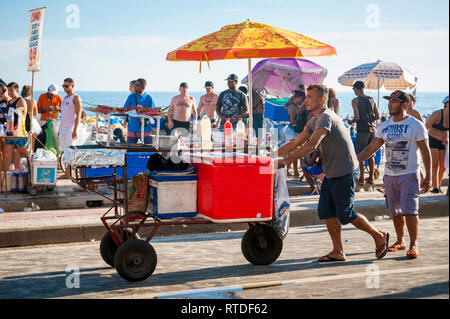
(411,111)
(208,104)
(181,108)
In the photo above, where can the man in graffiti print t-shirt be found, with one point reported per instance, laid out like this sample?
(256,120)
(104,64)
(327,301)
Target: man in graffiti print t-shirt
(403,136)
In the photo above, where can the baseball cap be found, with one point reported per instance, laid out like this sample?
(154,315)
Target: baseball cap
(399,96)
(184,84)
(243,89)
(445,100)
(209,84)
(301,88)
(358,85)
(232,77)
(299,93)
(53,89)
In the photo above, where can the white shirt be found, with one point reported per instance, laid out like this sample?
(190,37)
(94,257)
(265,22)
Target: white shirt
(401,139)
(68,115)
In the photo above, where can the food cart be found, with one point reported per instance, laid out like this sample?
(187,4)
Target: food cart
(231,187)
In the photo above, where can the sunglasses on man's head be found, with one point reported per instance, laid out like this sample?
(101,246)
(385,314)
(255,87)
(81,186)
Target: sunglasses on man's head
(66,86)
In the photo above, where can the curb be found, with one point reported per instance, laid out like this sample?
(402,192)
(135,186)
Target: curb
(54,201)
(434,206)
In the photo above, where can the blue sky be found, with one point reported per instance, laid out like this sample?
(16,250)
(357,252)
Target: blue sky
(122,40)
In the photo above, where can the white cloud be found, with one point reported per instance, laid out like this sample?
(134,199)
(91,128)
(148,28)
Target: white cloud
(12,48)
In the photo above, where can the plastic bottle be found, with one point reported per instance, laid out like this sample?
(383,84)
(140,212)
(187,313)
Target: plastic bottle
(10,119)
(15,181)
(25,180)
(20,129)
(205,127)
(228,134)
(240,134)
(20,182)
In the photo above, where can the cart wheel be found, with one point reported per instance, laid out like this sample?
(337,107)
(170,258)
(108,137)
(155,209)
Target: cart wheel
(32,190)
(261,245)
(135,260)
(108,248)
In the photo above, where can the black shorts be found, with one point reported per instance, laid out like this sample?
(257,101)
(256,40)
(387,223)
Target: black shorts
(184,125)
(435,143)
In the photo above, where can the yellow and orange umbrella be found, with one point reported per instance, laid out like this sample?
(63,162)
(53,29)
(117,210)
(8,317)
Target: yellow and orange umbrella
(249,40)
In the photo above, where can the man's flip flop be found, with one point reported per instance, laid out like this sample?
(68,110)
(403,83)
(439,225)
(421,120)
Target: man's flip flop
(396,247)
(412,254)
(385,247)
(329,259)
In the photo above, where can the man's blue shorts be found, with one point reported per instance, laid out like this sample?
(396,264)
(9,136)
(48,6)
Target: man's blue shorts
(336,198)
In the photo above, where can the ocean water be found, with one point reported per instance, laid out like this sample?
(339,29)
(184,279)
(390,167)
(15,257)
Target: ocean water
(427,102)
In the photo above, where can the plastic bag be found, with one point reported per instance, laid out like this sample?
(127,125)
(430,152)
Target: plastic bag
(44,155)
(289,133)
(282,210)
(50,142)
(138,194)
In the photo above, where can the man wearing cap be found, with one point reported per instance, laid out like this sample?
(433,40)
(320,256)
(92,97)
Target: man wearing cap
(232,103)
(365,116)
(49,104)
(403,136)
(301,87)
(298,120)
(207,104)
(181,108)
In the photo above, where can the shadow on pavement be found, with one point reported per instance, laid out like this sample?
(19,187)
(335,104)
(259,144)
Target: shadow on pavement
(105,279)
(431,290)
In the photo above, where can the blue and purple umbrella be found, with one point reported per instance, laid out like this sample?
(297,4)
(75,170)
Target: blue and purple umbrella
(279,77)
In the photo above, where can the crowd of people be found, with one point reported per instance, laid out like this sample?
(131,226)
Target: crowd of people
(50,105)
(184,112)
(322,137)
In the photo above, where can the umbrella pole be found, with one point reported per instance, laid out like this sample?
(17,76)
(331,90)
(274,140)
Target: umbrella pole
(250,108)
(378,102)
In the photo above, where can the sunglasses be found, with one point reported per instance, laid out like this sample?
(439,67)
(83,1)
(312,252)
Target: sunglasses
(66,86)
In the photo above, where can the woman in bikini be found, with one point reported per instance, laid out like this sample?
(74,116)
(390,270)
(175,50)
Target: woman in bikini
(438,138)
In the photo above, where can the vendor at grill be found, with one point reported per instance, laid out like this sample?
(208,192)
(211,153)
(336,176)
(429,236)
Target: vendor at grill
(139,99)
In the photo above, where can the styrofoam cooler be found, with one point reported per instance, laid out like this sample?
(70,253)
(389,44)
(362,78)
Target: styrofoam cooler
(44,172)
(173,195)
(235,189)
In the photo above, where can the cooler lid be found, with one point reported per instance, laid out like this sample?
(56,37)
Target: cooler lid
(224,159)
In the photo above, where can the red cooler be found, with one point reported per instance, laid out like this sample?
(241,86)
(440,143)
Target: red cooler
(234,189)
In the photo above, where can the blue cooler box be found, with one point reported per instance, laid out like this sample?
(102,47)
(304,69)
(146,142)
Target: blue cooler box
(136,163)
(173,195)
(274,110)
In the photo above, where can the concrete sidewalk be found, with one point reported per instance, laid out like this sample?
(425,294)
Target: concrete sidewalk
(68,195)
(82,225)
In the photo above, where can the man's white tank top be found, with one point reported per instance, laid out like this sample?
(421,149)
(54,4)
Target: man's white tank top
(68,115)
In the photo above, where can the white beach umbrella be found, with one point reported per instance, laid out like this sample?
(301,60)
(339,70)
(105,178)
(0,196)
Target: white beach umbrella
(378,74)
